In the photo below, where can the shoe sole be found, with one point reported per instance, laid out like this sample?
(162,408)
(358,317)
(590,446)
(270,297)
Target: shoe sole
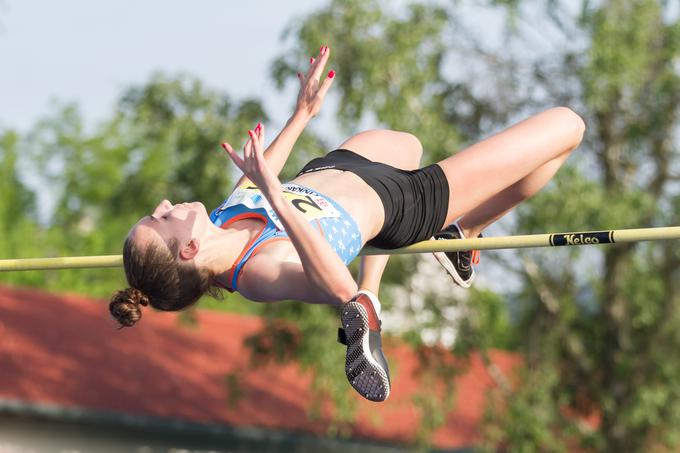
(362,371)
(446,264)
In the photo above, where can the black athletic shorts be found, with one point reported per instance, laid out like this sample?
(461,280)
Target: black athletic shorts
(416,201)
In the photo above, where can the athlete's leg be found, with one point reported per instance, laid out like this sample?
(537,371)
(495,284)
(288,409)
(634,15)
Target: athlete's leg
(490,178)
(487,168)
(398,149)
(365,365)
(476,220)
(371,269)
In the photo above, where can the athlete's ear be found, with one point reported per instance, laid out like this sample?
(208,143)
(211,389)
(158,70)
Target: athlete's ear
(190,250)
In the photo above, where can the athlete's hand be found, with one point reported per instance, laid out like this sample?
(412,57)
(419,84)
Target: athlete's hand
(253,164)
(312,89)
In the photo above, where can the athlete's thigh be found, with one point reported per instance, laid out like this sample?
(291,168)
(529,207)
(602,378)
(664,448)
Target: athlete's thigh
(486,168)
(399,149)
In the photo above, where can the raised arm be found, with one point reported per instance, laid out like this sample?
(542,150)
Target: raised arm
(327,276)
(310,98)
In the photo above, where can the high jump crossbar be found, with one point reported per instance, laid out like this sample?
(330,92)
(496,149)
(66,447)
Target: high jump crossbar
(453,245)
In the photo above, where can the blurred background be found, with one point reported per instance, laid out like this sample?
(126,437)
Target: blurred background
(107,108)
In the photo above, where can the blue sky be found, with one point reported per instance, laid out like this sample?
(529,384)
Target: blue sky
(89,51)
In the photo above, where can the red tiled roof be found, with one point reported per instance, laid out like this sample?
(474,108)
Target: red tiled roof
(66,350)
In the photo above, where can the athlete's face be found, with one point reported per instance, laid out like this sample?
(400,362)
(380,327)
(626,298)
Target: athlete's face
(182,221)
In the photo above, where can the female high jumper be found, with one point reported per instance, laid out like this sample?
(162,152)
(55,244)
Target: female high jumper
(271,241)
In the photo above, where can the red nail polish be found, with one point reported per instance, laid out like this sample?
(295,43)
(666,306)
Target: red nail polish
(259,126)
(311,60)
(224,145)
(321,49)
(331,74)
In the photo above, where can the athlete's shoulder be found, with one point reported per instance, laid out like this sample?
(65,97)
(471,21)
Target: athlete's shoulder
(274,273)
(274,280)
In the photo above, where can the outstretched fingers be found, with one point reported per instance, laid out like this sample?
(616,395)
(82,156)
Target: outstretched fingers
(259,131)
(234,156)
(318,66)
(326,84)
(312,88)
(248,149)
(256,143)
(251,149)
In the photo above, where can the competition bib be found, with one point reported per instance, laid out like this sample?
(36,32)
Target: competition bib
(309,202)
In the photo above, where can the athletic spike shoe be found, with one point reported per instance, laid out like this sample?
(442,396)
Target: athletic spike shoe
(365,365)
(457,264)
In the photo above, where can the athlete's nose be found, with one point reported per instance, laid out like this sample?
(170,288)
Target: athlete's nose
(163,207)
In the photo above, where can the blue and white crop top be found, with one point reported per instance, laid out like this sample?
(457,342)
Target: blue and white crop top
(247,201)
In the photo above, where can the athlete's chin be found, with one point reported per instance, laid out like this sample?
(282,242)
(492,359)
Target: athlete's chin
(196,206)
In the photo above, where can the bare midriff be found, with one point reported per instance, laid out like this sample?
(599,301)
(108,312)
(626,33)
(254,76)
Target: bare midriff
(353,194)
(343,187)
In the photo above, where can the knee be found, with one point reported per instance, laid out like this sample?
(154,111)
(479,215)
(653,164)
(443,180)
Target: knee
(573,122)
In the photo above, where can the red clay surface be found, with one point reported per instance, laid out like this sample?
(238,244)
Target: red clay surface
(66,350)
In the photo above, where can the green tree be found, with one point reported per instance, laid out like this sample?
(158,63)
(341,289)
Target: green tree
(161,142)
(596,327)
(601,323)
(19,230)
(391,72)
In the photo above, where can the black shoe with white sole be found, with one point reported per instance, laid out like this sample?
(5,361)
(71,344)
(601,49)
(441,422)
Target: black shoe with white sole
(457,264)
(365,365)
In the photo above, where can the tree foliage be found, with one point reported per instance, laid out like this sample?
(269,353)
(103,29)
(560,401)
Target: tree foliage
(162,141)
(606,318)
(18,210)
(596,327)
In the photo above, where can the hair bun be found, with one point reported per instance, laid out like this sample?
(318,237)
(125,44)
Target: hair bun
(126,306)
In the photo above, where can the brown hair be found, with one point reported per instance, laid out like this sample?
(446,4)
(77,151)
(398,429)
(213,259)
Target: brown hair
(158,277)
